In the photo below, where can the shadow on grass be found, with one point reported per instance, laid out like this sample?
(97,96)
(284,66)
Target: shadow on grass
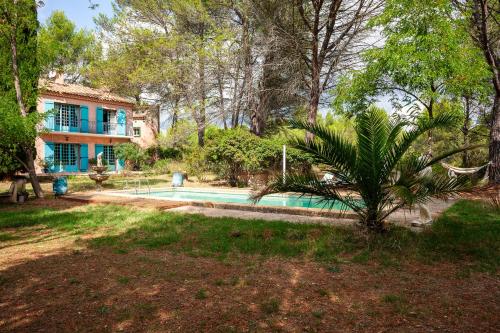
(101,290)
(467,231)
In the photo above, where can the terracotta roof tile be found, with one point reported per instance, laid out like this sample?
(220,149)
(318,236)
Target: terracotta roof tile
(79,90)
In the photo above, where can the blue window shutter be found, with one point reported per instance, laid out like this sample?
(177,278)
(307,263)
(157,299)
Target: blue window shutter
(84,157)
(49,119)
(99,118)
(98,149)
(49,155)
(122,121)
(84,118)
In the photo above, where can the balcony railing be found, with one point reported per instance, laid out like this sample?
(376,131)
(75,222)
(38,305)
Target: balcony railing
(87,126)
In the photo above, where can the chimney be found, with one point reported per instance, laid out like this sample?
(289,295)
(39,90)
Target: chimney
(59,78)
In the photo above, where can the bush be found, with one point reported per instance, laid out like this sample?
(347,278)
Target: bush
(131,153)
(235,154)
(230,154)
(158,152)
(161,167)
(197,164)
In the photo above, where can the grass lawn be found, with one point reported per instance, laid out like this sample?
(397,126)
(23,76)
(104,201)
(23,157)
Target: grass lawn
(72,267)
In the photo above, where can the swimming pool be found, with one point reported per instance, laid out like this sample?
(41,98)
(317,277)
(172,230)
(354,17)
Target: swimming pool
(236,197)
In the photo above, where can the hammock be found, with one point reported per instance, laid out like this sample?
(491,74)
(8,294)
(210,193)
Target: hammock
(453,171)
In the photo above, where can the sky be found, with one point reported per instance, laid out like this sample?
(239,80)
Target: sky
(77,11)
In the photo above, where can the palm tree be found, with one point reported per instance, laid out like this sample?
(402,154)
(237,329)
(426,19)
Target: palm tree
(377,168)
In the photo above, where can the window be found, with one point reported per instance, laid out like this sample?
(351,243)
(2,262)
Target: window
(137,132)
(66,115)
(109,121)
(64,154)
(109,154)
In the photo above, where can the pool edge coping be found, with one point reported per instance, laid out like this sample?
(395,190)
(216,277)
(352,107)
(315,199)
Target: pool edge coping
(312,212)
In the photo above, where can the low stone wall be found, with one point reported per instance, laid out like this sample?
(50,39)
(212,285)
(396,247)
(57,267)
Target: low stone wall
(278,210)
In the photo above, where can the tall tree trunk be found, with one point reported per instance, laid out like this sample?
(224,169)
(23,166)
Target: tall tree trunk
(175,112)
(30,162)
(234,100)
(238,97)
(258,116)
(314,96)
(260,112)
(316,64)
(248,71)
(220,86)
(484,36)
(430,113)
(465,132)
(30,159)
(494,146)
(201,117)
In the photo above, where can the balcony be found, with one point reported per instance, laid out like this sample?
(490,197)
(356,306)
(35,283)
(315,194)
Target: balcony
(87,126)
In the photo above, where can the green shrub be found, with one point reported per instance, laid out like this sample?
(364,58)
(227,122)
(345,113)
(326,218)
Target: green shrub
(230,153)
(161,167)
(197,164)
(130,152)
(235,154)
(158,152)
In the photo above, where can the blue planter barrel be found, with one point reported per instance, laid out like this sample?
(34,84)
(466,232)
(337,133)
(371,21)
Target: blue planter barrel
(177,179)
(60,186)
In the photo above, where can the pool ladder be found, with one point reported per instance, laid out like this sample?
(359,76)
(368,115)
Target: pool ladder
(138,184)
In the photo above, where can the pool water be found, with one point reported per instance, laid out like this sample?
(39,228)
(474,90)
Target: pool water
(279,200)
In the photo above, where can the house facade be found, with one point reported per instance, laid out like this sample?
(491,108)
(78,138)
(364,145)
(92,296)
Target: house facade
(145,125)
(81,122)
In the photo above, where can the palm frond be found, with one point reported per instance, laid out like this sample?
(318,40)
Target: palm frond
(373,131)
(328,147)
(396,152)
(396,128)
(307,184)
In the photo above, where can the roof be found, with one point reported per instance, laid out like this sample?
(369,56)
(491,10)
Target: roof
(79,90)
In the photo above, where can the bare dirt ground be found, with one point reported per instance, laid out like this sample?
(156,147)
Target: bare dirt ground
(56,284)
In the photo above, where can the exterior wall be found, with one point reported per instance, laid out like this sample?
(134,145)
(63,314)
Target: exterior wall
(91,141)
(148,135)
(79,138)
(92,105)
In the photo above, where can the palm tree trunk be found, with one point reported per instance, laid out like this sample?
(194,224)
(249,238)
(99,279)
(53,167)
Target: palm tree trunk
(372,220)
